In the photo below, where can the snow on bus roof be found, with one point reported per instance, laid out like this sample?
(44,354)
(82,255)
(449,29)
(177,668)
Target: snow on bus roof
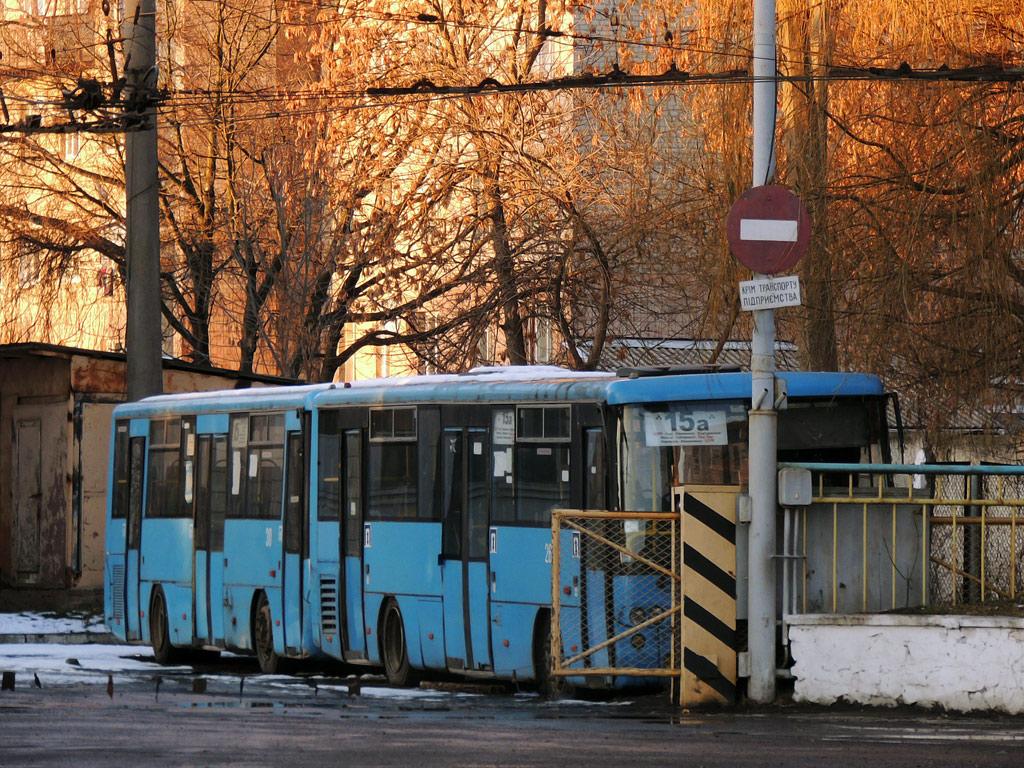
(506,373)
(247,393)
(487,373)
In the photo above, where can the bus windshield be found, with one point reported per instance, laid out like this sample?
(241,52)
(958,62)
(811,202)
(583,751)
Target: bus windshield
(669,444)
(663,445)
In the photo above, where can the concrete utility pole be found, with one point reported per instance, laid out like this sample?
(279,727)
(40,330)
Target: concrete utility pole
(143,338)
(761,563)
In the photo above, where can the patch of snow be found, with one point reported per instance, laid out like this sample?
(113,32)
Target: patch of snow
(28,623)
(585,703)
(50,661)
(400,693)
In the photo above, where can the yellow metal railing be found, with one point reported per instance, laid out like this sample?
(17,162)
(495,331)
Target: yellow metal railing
(964,519)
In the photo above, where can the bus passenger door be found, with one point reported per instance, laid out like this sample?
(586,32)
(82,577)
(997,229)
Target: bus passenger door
(211,500)
(351,544)
(218,509)
(201,542)
(133,533)
(597,604)
(464,564)
(294,515)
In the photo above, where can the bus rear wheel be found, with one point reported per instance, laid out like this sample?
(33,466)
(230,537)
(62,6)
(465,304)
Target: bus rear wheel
(159,629)
(263,637)
(394,650)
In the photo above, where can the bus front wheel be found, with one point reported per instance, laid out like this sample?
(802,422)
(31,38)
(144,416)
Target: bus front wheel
(394,650)
(548,685)
(263,637)
(159,629)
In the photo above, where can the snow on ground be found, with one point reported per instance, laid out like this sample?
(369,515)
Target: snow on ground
(52,662)
(48,624)
(60,664)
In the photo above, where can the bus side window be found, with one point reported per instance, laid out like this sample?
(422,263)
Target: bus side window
(542,481)
(218,493)
(353,489)
(328,467)
(164,497)
(237,451)
(542,462)
(503,438)
(595,495)
(265,466)
(119,501)
(137,448)
(392,464)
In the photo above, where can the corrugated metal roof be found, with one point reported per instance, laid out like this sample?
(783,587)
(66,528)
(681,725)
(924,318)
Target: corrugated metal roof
(632,353)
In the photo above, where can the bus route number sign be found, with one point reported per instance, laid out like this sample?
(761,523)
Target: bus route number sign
(685,428)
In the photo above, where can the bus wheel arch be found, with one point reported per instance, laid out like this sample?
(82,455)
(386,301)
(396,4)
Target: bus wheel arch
(394,645)
(262,626)
(160,628)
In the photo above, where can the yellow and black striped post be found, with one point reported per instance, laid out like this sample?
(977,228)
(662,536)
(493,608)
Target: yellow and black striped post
(708,530)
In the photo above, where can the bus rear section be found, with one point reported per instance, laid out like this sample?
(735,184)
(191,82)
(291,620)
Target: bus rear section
(206,531)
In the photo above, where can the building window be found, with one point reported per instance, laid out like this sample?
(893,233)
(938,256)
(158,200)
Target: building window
(29,269)
(486,349)
(543,341)
(105,279)
(72,145)
(348,368)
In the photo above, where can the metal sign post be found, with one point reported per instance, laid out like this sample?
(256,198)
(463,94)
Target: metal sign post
(763,227)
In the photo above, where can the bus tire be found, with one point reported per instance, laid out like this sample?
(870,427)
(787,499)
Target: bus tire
(263,636)
(394,651)
(159,629)
(548,685)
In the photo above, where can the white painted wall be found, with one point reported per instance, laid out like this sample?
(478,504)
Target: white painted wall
(960,663)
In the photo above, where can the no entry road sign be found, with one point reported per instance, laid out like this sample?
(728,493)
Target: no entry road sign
(768,229)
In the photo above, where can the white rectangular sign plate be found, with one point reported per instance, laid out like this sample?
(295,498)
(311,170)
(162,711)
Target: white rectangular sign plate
(679,428)
(773,230)
(770,294)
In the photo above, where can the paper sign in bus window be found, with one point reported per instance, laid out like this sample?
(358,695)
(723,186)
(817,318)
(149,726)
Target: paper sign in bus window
(685,428)
(236,472)
(504,432)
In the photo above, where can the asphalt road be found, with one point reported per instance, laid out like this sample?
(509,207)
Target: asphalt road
(226,717)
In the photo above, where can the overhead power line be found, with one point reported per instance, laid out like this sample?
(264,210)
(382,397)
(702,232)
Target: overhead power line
(109,113)
(619,78)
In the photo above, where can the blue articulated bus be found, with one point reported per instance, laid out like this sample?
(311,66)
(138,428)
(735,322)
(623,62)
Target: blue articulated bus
(405,523)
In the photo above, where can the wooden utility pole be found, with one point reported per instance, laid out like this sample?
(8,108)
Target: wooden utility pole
(143,338)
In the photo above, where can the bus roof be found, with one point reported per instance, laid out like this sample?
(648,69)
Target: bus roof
(505,384)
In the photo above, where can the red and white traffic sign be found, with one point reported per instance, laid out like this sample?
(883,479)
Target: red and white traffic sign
(768,229)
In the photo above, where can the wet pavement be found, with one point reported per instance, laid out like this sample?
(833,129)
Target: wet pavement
(88,704)
(223,713)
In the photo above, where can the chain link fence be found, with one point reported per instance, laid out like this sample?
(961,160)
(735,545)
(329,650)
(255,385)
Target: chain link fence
(615,594)
(976,537)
